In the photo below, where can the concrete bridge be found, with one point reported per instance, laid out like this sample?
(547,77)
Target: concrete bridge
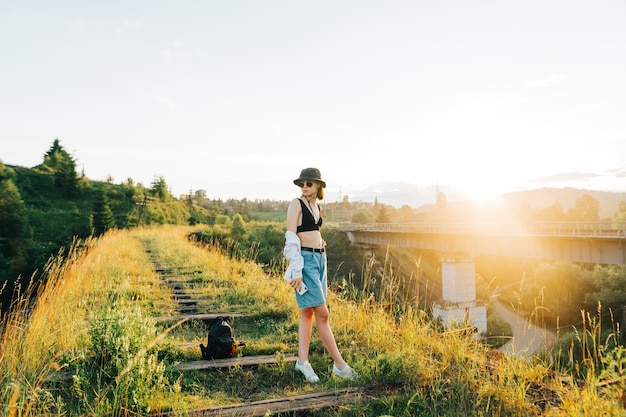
(459,243)
(589,242)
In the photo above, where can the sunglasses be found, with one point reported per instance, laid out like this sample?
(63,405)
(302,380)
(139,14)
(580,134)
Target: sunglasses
(307,183)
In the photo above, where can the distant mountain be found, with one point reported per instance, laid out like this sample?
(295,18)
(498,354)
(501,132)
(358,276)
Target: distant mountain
(546,197)
(398,194)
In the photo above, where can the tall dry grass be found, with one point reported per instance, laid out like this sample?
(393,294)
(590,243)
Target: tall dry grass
(46,327)
(443,373)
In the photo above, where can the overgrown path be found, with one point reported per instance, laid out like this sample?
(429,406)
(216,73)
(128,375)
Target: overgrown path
(191,306)
(300,404)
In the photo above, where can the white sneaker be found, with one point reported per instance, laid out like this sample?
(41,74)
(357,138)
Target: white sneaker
(346,372)
(307,371)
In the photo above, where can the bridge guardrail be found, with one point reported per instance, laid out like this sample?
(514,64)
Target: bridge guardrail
(601,229)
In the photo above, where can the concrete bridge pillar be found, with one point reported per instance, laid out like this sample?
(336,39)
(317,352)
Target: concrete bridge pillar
(458,304)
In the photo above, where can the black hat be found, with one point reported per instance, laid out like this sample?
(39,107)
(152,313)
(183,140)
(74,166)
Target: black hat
(310,174)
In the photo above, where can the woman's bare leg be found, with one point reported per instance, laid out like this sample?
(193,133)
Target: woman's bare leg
(304,333)
(326,334)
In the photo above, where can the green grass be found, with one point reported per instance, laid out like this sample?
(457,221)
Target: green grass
(269,216)
(93,321)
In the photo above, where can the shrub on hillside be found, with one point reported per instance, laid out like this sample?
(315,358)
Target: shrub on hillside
(117,370)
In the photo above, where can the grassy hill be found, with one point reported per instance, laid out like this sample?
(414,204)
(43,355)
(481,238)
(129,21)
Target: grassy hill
(39,216)
(91,345)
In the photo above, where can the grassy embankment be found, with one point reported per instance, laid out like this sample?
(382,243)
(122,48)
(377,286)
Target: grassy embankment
(91,346)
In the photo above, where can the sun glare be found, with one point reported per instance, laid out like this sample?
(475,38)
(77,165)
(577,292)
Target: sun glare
(477,189)
(484,194)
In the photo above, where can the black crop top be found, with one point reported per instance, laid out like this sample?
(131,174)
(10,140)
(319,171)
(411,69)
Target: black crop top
(308,221)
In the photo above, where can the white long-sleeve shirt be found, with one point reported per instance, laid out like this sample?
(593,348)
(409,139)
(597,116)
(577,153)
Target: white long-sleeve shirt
(293,255)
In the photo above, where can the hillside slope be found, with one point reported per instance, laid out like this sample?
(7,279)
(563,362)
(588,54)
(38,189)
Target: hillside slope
(95,320)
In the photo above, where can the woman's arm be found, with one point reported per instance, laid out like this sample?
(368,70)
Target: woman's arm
(292,245)
(293,215)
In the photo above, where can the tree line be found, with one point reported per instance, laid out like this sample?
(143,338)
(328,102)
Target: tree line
(45,208)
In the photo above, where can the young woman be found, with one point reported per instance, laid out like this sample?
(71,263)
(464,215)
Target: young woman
(306,251)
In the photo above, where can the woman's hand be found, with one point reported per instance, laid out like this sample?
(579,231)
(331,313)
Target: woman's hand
(296,283)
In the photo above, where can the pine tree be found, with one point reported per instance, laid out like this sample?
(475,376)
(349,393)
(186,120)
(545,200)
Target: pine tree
(238,229)
(383,215)
(159,189)
(61,164)
(102,215)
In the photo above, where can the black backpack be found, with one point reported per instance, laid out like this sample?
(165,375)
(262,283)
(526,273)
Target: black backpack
(220,342)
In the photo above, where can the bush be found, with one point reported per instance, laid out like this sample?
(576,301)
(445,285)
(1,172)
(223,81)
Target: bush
(119,371)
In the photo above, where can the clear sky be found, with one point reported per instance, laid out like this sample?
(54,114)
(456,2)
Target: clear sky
(236,97)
